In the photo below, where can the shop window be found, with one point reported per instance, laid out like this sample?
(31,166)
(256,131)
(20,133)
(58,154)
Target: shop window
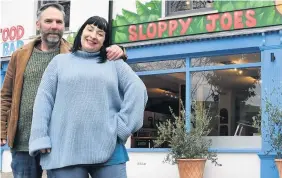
(164,91)
(160,65)
(233,97)
(187,6)
(66,4)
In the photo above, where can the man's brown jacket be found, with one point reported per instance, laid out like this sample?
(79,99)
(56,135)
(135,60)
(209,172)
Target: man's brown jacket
(12,88)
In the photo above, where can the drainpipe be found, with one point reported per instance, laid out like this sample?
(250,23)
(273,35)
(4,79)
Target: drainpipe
(110,20)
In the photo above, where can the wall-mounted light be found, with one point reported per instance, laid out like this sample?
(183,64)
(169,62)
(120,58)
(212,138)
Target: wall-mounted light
(272,57)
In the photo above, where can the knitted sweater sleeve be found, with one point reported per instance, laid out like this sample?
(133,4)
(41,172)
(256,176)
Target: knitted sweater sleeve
(42,109)
(130,116)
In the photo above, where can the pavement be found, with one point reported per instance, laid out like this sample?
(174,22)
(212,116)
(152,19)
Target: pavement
(10,175)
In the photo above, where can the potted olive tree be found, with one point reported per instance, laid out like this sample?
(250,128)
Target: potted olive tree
(189,150)
(273,126)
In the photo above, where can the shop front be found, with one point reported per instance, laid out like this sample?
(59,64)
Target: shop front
(225,60)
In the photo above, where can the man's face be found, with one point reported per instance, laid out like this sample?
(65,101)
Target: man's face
(51,26)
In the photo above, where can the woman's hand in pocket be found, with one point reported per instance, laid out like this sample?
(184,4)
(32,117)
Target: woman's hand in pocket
(48,150)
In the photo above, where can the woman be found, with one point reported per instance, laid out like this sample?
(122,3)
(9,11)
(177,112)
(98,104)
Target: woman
(85,109)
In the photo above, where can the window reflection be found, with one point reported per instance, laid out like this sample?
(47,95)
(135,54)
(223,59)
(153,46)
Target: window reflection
(233,97)
(226,60)
(159,65)
(164,91)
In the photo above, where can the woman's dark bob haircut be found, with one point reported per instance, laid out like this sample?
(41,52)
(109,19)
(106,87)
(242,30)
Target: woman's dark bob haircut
(101,23)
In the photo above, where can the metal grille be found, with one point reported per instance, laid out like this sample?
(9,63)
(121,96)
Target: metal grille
(199,4)
(175,7)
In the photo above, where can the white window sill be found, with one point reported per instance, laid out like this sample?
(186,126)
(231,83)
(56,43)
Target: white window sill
(189,14)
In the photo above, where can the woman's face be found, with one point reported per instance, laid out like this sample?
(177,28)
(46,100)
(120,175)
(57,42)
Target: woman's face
(92,38)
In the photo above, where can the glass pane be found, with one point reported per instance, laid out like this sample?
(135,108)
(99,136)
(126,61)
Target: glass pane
(233,98)
(159,65)
(66,5)
(226,60)
(164,91)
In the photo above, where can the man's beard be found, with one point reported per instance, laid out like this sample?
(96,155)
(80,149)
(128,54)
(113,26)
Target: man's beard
(52,38)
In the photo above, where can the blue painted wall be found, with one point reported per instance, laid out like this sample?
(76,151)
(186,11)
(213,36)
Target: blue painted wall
(271,79)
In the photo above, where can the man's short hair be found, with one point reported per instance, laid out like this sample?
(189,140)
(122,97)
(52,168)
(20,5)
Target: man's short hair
(54,5)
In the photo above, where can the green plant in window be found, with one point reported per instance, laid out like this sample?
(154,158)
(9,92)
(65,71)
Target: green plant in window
(71,37)
(257,123)
(184,144)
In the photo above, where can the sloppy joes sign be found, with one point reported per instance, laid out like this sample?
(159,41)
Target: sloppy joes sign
(226,21)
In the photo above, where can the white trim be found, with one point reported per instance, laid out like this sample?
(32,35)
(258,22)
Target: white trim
(5,58)
(190,14)
(163,10)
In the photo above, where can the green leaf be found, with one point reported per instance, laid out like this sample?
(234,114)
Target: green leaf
(120,37)
(155,12)
(155,6)
(239,4)
(278,18)
(120,20)
(143,19)
(259,10)
(267,3)
(142,10)
(228,6)
(153,17)
(260,19)
(259,3)
(190,30)
(114,23)
(122,29)
(270,17)
(130,16)
(201,25)
(217,5)
(165,34)
(251,4)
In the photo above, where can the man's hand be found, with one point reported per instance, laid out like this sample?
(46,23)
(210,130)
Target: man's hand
(48,150)
(3,142)
(114,52)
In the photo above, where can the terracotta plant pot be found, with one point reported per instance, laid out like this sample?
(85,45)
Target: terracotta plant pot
(279,166)
(191,168)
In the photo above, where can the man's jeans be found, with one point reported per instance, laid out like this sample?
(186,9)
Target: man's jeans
(83,171)
(25,166)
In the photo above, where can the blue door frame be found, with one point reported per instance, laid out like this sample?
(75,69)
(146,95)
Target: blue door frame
(265,43)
